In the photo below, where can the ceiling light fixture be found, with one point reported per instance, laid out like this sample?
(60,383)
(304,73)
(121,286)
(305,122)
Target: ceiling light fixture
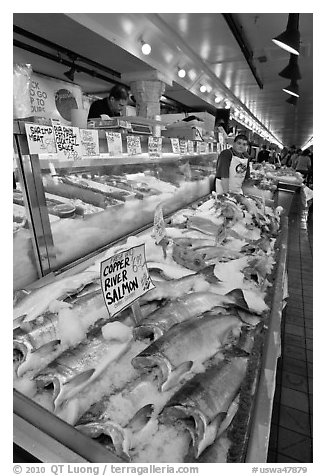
(292,89)
(146,48)
(291,71)
(181,72)
(289,40)
(202,88)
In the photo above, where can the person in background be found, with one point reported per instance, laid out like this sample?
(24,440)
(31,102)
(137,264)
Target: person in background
(302,163)
(263,155)
(289,156)
(111,105)
(294,157)
(233,167)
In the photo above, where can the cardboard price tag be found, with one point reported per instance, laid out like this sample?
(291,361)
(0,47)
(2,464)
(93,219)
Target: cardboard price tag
(67,140)
(175,145)
(133,145)
(89,142)
(114,142)
(40,139)
(183,146)
(191,149)
(155,146)
(159,230)
(124,278)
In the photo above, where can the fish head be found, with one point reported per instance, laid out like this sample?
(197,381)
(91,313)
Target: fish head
(147,331)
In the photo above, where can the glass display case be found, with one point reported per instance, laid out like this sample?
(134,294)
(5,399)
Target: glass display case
(78,207)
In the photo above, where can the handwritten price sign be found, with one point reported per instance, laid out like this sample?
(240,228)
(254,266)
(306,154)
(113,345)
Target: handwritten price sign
(67,140)
(124,278)
(40,139)
(114,142)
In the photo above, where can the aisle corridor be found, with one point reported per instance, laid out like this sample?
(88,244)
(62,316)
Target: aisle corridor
(291,430)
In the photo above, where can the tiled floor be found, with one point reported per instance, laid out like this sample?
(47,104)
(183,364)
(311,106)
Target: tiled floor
(291,430)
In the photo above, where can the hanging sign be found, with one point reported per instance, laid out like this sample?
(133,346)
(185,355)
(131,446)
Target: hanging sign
(89,144)
(40,139)
(114,142)
(124,278)
(159,230)
(183,146)
(155,146)
(67,140)
(133,145)
(175,145)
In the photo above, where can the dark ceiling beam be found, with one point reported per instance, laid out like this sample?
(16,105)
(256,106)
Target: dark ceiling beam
(242,42)
(60,49)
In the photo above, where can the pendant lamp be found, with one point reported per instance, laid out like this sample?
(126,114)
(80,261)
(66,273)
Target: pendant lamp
(289,40)
(291,71)
(292,89)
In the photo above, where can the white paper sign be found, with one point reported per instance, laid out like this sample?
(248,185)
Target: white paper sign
(125,278)
(159,230)
(114,142)
(155,146)
(67,140)
(175,145)
(89,144)
(191,147)
(133,145)
(40,139)
(183,146)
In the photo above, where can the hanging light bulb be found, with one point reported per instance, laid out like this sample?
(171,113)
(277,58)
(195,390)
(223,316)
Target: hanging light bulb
(181,72)
(289,40)
(146,48)
(202,88)
(292,89)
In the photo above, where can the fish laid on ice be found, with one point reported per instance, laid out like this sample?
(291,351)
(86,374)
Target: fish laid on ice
(39,300)
(170,270)
(195,340)
(175,288)
(202,402)
(46,336)
(76,368)
(192,305)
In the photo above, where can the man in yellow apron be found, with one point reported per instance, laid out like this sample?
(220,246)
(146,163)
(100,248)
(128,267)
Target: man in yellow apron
(233,167)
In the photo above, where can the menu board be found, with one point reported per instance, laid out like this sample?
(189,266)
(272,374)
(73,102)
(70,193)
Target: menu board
(67,140)
(133,145)
(114,142)
(175,145)
(124,278)
(89,143)
(183,146)
(40,139)
(155,146)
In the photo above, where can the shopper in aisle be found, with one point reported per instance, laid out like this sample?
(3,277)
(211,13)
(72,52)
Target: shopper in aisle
(263,155)
(111,105)
(233,167)
(302,163)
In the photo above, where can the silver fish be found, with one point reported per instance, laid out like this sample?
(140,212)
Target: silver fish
(195,340)
(43,336)
(121,436)
(175,288)
(76,368)
(39,300)
(192,305)
(202,402)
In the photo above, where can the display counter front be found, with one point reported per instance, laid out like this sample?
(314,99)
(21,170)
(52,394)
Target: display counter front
(83,205)
(182,380)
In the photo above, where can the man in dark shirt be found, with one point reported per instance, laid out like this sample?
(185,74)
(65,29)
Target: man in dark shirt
(112,105)
(233,167)
(263,155)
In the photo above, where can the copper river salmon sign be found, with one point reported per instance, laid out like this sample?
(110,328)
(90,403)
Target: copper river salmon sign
(124,278)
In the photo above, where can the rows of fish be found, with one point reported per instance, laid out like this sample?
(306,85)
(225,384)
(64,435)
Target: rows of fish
(167,388)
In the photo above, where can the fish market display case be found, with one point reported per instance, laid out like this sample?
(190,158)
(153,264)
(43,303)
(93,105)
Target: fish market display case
(193,284)
(66,210)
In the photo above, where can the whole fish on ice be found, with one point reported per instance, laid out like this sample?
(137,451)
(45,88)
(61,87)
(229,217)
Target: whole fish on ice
(192,305)
(194,340)
(202,402)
